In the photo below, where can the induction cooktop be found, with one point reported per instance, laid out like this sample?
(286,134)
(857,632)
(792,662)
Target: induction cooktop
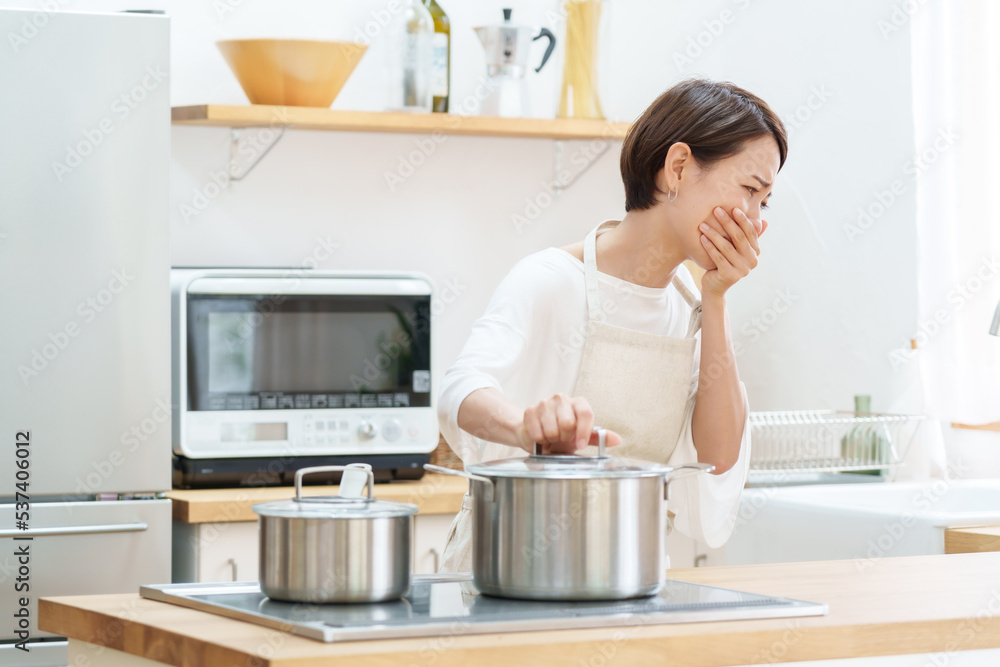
(450,604)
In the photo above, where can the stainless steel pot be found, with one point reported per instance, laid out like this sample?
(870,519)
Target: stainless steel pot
(570,527)
(335,548)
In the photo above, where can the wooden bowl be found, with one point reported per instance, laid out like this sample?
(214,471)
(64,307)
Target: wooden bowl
(291,72)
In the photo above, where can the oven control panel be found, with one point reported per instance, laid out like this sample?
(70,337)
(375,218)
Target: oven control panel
(221,433)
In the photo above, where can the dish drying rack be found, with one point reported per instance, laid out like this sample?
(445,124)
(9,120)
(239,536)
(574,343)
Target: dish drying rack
(829,441)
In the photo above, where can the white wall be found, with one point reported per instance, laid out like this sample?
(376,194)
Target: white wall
(825,65)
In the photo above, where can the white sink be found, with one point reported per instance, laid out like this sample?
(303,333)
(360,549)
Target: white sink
(860,521)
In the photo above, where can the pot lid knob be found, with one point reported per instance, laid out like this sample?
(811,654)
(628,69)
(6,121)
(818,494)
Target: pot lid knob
(602,443)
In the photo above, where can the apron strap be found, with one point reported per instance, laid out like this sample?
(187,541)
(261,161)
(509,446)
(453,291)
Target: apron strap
(695,322)
(590,276)
(590,271)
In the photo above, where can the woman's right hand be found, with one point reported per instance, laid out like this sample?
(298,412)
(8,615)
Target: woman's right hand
(561,425)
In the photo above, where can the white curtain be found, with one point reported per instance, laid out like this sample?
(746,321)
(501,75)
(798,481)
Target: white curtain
(956,78)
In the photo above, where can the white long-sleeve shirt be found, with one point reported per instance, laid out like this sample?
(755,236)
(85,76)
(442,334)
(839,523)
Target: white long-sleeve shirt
(529,345)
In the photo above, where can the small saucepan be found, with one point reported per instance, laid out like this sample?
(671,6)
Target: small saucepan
(335,549)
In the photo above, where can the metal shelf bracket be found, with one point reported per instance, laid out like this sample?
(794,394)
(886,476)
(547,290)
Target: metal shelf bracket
(255,147)
(562,176)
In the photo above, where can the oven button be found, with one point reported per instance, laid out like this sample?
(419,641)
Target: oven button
(392,429)
(413,430)
(366,430)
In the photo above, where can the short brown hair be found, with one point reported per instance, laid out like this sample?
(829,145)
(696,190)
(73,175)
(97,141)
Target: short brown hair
(715,119)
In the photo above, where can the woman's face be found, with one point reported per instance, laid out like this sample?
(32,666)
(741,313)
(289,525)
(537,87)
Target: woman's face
(741,181)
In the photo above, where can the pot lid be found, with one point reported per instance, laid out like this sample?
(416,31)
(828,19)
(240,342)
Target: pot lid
(351,506)
(571,466)
(335,507)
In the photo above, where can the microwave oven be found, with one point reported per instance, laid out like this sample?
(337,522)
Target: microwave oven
(279,369)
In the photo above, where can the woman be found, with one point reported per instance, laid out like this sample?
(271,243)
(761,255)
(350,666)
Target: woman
(606,331)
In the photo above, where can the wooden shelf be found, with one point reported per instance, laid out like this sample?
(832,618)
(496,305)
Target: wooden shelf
(308,118)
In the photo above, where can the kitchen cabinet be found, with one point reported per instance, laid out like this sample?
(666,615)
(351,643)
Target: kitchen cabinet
(214,552)
(682,550)
(685,552)
(430,532)
(215,535)
(705,556)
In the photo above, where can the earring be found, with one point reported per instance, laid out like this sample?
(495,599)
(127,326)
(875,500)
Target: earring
(672,195)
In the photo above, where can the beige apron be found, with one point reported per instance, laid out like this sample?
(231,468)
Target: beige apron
(637,384)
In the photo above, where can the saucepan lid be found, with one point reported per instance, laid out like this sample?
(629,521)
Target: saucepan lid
(572,466)
(336,507)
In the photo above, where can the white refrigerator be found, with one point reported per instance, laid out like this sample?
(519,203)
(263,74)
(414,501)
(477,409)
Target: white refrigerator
(84,314)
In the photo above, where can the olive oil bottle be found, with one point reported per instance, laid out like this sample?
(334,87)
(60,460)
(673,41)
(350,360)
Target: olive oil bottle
(441,67)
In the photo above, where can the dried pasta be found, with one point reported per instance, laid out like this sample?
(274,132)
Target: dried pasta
(579,97)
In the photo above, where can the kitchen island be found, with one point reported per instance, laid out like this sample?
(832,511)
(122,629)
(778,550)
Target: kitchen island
(923,604)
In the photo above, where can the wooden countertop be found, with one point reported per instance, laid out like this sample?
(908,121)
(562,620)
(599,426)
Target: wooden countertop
(972,540)
(889,606)
(433,494)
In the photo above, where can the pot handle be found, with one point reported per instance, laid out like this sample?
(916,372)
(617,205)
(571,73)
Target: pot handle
(467,475)
(685,470)
(602,443)
(302,472)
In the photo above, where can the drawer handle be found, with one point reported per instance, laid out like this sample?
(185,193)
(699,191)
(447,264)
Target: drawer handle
(232,564)
(77,530)
(437,559)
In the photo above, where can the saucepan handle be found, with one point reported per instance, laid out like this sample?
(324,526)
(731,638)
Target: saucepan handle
(467,475)
(685,470)
(302,472)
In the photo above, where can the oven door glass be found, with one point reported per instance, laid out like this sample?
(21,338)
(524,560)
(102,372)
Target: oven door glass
(274,352)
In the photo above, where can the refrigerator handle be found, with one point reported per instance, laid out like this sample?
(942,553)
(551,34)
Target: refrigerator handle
(77,530)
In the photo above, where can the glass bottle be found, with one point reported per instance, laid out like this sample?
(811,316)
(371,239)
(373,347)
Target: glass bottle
(440,56)
(410,59)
